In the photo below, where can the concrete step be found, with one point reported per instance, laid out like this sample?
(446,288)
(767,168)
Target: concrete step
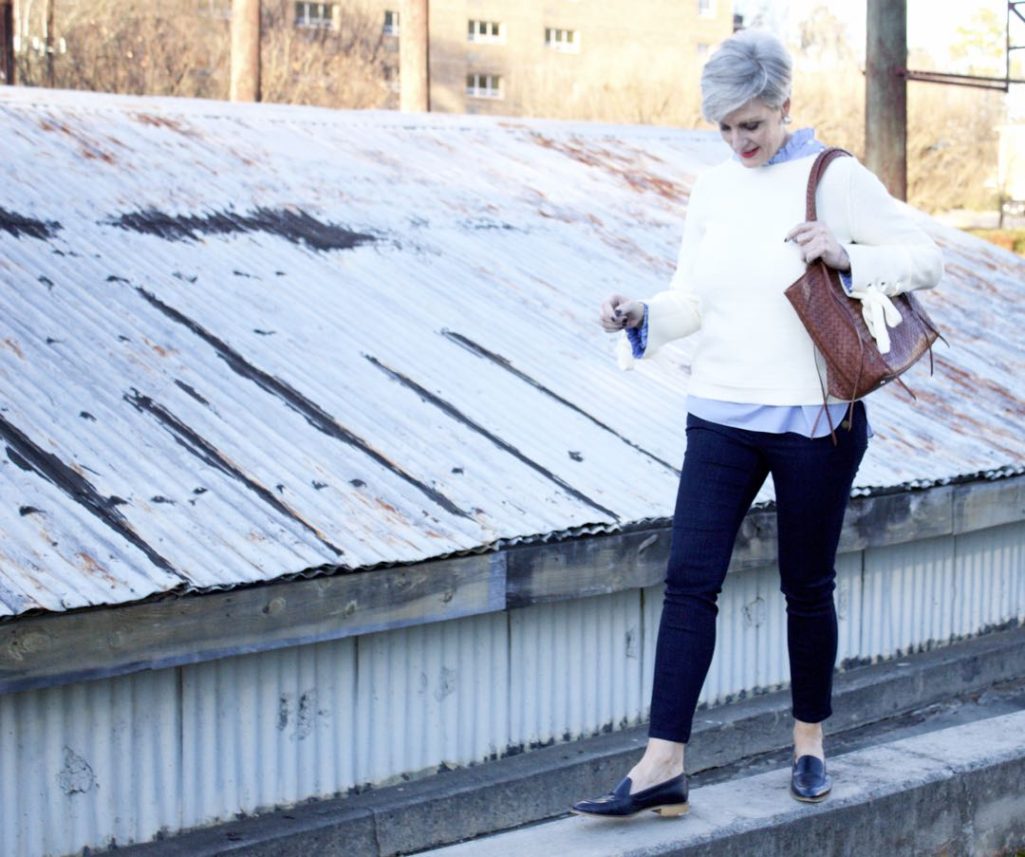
(953,791)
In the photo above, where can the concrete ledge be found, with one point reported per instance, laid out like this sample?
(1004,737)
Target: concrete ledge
(955,791)
(538,785)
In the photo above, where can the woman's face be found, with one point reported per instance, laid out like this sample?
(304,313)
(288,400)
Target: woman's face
(755,131)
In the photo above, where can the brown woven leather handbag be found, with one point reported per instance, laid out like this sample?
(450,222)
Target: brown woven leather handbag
(854,365)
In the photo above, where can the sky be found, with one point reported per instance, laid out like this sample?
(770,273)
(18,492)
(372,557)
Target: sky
(932,24)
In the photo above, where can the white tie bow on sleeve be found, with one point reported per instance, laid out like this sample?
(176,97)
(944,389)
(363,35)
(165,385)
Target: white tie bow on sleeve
(879,313)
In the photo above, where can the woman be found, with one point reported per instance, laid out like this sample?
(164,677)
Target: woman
(755,399)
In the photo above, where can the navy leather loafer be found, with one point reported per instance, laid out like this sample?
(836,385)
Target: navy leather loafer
(809,781)
(668,799)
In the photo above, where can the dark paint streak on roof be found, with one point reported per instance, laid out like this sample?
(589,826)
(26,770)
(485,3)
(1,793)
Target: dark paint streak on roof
(459,416)
(32,458)
(314,414)
(18,224)
(504,363)
(206,452)
(296,227)
(190,390)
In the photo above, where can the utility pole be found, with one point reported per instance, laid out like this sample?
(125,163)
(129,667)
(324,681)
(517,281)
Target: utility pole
(48,43)
(886,94)
(245,50)
(414,57)
(6,42)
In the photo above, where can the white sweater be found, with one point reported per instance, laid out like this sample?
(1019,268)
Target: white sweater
(733,267)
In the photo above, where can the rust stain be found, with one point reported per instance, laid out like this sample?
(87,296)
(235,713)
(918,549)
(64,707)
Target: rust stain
(638,179)
(249,162)
(47,125)
(971,383)
(629,248)
(969,276)
(87,148)
(165,122)
(95,568)
(11,345)
(96,155)
(162,350)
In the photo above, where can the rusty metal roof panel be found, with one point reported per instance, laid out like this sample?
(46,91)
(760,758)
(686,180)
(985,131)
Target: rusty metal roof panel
(241,342)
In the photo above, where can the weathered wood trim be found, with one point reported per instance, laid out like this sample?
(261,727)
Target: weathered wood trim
(48,650)
(981,505)
(597,565)
(44,650)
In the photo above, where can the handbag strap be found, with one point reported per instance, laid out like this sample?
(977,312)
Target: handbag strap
(824,159)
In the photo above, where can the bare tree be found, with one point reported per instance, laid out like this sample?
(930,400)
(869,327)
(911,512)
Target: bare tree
(952,136)
(347,64)
(182,47)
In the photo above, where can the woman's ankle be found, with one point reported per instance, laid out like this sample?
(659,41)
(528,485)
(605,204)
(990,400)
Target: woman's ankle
(808,740)
(662,760)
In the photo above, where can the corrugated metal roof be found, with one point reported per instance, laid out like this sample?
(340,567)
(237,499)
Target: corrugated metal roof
(247,341)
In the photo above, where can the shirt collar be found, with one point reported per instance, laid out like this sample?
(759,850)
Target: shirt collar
(801,144)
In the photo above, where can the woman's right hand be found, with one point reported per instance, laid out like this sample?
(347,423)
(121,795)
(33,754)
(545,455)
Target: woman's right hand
(619,312)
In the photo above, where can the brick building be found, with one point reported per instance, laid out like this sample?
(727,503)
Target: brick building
(616,60)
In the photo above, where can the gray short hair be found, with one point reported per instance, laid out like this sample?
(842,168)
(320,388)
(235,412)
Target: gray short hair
(750,64)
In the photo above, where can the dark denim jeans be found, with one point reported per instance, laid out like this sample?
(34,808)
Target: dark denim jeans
(723,469)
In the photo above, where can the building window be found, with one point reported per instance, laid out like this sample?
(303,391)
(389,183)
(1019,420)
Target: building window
(391,23)
(484,85)
(562,40)
(706,8)
(484,31)
(215,9)
(316,15)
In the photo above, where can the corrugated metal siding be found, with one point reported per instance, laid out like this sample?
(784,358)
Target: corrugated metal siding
(909,594)
(259,730)
(575,668)
(990,578)
(89,764)
(432,695)
(231,402)
(850,602)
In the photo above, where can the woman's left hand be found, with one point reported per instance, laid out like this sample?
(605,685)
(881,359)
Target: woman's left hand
(816,241)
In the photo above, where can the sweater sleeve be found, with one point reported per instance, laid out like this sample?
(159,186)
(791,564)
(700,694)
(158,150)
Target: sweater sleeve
(675,312)
(888,250)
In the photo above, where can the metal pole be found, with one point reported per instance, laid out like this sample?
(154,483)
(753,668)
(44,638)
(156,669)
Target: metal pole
(886,96)
(414,57)
(6,42)
(245,50)
(1007,45)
